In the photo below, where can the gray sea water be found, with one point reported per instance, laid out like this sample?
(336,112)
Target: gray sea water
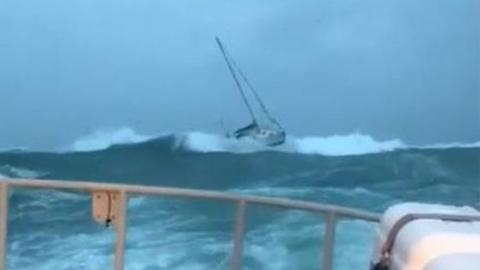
(50,230)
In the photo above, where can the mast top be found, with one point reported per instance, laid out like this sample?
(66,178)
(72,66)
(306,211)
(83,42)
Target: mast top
(235,78)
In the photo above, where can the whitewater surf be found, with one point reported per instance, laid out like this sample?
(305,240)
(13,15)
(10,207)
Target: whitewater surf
(353,170)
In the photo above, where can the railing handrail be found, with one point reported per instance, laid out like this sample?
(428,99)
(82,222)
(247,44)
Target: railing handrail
(339,211)
(331,212)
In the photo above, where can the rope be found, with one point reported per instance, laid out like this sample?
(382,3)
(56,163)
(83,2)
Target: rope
(252,89)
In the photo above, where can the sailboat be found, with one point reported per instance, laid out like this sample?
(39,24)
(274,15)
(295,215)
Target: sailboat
(264,128)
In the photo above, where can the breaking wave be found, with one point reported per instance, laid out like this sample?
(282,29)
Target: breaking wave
(102,139)
(336,169)
(203,142)
(351,144)
(15,172)
(451,145)
(336,145)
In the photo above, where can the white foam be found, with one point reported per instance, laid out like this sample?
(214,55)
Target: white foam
(16,172)
(198,141)
(161,242)
(351,144)
(450,145)
(277,191)
(208,142)
(336,145)
(8,171)
(102,139)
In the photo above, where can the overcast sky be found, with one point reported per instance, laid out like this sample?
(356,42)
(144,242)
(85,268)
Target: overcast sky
(407,69)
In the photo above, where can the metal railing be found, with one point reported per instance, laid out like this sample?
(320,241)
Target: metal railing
(331,212)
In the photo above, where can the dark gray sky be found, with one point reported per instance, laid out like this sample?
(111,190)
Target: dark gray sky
(406,69)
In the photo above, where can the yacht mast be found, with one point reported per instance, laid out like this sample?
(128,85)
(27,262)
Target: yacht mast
(237,82)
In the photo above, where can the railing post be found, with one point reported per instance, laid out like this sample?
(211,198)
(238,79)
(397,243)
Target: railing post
(236,259)
(120,228)
(329,241)
(3,223)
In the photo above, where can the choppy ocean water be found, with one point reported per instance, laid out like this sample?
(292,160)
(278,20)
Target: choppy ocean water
(50,230)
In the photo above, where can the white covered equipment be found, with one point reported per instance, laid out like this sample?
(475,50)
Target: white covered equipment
(414,236)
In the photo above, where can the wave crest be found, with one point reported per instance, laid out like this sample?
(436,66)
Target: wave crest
(351,144)
(337,145)
(102,139)
(7,171)
(450,145)
(197,141)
